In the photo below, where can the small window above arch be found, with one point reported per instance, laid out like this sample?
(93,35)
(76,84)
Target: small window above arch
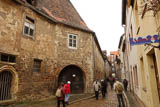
(31,2)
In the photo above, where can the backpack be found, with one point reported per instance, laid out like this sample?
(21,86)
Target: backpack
(96,86)
(58,92)
(119,88)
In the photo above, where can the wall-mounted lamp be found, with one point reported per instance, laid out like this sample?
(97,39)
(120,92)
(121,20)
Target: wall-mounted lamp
(149,44)
(74,75)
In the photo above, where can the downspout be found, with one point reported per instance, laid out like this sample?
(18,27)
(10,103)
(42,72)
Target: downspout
(128,73)
(94,65)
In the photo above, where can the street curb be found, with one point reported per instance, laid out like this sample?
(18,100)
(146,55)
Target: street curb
(126,98)
(81,99)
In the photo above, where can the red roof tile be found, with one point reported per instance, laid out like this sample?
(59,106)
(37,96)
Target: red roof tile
(62,11)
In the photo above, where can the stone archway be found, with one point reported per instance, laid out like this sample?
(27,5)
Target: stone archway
(9,83)
(75,75)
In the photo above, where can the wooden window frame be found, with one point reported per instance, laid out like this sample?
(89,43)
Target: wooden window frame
(8,58)
(72,39)
(30,23)
(39,66)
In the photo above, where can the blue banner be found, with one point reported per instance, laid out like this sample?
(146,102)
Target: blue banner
(144,40)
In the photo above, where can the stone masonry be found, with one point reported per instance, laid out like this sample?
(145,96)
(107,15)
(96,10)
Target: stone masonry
(49,45)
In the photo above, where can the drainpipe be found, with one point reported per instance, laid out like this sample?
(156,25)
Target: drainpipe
(128,73)
(94,64)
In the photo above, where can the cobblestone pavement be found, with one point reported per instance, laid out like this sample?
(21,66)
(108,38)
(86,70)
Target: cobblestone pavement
(132,100)
(109,101)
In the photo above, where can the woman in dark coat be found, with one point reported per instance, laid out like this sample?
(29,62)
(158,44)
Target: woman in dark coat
(125,84)
(62,97)
(104,86)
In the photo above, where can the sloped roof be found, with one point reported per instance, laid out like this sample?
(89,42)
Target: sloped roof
(62,11)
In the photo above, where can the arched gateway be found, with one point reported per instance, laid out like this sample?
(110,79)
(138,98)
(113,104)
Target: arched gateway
(75,75)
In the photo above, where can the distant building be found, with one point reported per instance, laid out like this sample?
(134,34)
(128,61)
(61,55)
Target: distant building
(115,64)
(107,64)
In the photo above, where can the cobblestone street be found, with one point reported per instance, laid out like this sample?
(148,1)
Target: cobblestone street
(109,101)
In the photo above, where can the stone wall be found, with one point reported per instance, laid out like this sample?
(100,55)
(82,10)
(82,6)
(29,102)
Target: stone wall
(41,47)
(81,57)
(50,45)
(99,63)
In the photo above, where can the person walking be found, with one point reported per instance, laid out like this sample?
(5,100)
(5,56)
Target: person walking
(118,87)
(125,84)
(60,94)
(111,80)
(106,81)
(103,88)
(67,91)
(97,87)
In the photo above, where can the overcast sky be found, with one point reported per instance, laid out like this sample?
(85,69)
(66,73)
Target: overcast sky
(104,18)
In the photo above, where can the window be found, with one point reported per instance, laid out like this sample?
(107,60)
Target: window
(7,58)
(31,2)
(132,3)
(135,75)
(29,27)
(143,74)
(37,65)
(72,41)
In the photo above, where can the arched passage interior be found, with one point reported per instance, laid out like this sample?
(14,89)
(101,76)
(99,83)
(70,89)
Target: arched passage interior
(75,75)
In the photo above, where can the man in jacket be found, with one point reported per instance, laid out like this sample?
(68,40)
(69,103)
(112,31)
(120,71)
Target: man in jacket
(118,87)
(96,86)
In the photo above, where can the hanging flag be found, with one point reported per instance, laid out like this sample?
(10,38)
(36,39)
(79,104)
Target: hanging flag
(144,40)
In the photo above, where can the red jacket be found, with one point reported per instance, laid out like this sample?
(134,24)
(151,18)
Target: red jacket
(67,88)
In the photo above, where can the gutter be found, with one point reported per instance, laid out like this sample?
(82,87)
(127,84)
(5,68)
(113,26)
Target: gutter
(126,100)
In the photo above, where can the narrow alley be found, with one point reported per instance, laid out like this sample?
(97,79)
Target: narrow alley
(54,51)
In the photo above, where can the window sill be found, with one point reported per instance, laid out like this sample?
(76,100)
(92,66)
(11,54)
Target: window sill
(7,63)
(72,48)
(28,37)
(6,102)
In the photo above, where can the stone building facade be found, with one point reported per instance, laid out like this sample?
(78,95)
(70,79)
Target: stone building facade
(41,46)
(140,19)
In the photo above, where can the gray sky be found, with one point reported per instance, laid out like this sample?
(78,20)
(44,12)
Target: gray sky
(104,18)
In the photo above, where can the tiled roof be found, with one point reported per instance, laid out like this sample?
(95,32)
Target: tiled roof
(114,52)
(63,11)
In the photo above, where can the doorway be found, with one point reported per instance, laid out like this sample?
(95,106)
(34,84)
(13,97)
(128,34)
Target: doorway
(5,85)
(75,75)
(156,74)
